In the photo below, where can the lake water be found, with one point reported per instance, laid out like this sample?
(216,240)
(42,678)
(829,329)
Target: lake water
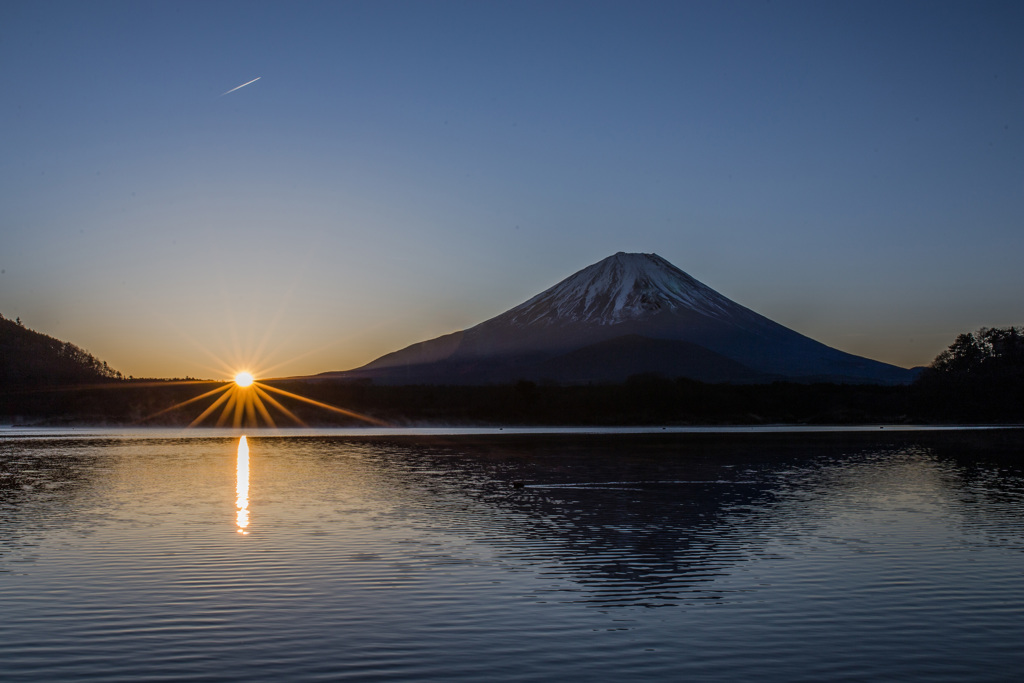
(769,555)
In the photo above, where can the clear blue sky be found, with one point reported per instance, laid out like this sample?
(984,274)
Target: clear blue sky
(401,170)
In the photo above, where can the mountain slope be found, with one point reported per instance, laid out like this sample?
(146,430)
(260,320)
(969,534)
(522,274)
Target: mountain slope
(32,359)
(616,360)
(625,298)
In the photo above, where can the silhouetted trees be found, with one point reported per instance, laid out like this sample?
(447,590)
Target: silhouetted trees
(31,359)
(988,351)
(979,377)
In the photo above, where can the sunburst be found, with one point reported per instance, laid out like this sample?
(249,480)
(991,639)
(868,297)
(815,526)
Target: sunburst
(246,402)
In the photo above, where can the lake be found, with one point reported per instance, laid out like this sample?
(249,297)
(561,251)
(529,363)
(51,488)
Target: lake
(511,555)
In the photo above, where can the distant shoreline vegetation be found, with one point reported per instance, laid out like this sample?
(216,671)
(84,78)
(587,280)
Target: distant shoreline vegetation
(978,379)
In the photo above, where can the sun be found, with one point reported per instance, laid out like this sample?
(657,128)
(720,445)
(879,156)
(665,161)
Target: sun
(244,401)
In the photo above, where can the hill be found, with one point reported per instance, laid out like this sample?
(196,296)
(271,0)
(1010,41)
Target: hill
(32,359)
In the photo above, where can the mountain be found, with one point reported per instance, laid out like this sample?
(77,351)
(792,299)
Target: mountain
(625,315)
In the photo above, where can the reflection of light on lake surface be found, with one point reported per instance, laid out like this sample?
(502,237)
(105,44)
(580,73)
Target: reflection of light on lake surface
(242,486)
(635,557)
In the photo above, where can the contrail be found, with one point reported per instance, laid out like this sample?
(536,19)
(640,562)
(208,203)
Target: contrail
(241,86)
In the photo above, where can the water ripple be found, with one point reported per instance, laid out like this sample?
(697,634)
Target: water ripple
(523,558)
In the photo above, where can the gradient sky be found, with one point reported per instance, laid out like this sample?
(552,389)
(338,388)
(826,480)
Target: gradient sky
(401,170)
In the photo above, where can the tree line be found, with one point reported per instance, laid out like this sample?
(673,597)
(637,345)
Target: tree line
(979,378)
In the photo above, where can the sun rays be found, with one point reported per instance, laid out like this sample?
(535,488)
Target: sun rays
(245,402)
(242,354)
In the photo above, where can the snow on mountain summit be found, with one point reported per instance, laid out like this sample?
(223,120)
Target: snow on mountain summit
(619,288)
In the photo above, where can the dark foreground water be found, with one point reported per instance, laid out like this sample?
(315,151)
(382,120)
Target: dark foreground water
(807,556)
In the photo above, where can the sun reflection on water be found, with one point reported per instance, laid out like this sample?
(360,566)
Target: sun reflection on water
(242,487)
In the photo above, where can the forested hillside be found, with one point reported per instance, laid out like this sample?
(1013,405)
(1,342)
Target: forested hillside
(31,359)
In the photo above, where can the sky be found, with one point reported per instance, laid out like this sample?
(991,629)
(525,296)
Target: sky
(401,170)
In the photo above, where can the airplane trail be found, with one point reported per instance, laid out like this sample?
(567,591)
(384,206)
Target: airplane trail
(241,86)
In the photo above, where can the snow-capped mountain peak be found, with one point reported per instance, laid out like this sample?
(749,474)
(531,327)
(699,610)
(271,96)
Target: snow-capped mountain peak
(628,314)
(619,288)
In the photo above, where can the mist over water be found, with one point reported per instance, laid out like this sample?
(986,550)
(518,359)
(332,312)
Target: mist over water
(514,557)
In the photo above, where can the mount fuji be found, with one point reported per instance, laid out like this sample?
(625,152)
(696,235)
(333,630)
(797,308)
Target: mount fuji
(625,315)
